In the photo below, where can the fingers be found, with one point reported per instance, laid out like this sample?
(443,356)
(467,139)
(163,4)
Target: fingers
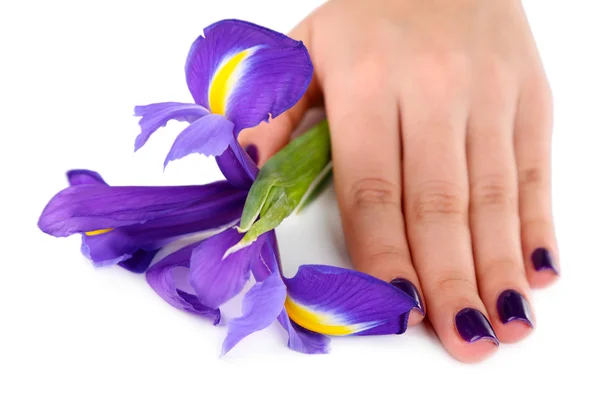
(533,148)
(270,137)
(434,117)
(366,161)
(494,216)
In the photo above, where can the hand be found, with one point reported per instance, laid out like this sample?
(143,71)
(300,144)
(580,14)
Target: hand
(440,118)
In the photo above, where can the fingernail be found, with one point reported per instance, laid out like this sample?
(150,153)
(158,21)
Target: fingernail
(252,151)
(542,260)
(403,323)
(407,287)
(473,326)
(512,306)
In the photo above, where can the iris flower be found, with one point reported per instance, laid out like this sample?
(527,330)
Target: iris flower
(129,225)
(239,74)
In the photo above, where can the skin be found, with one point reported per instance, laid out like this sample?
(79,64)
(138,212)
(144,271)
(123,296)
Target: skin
(441,118)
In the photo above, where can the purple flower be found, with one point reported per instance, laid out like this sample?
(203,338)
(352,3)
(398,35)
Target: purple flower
(239,74)
(128,225)
(319,301)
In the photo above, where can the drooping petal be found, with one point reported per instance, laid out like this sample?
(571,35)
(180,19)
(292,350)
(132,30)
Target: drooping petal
(139,261)
(337,301)
(83,177)
(119,244)
(95,209)
(261,306)
(268,259)
(247,72)
(210,136)
(216,279)
(162,279)
(237,166)
(299,339)
(155,116)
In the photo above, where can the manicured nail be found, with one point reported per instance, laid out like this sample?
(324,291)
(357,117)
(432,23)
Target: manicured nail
(407,287)
(252,151)
(512,306)
(403,323)
(542,260)
(473,326)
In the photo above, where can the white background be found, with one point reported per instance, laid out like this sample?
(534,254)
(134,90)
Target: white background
(70,74)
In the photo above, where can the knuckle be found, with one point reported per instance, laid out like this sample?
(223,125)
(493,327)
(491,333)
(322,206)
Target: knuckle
(386,250)
(456,65)
(439,201)
(379,254)
(367,193)
(451,283)
(492,191)
(496,87)
(368,76)
(534,176)
(497,269)
(443,68)
(547,100)
(539,91)
(495,69)
(364,79)
(386,255)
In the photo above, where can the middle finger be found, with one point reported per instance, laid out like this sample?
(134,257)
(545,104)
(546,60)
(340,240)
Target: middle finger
(434,115)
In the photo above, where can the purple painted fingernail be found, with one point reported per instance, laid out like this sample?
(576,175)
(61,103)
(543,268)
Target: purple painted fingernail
(512,306)
(473,326)
(407,287)
(542,260)
(403,323)
(252,151)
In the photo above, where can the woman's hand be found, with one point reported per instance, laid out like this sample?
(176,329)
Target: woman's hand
(440,118)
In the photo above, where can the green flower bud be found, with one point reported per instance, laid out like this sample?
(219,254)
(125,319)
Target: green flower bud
(288,182)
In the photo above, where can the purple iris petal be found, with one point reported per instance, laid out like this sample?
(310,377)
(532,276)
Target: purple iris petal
(268,81)
(395,325)
(275,79)
(210,136)
(84,208)
(155,116)
(237,166)
(268,259)
(349,298)
(302,340)
(252,151)
(262,304)
(216,279)
(120,243)
(134,222)
(139,261)
(161,278)
(83,177)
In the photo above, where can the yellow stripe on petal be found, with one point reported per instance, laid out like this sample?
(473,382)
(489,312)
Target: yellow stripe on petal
(224,80)
(320,323)
(98,232)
